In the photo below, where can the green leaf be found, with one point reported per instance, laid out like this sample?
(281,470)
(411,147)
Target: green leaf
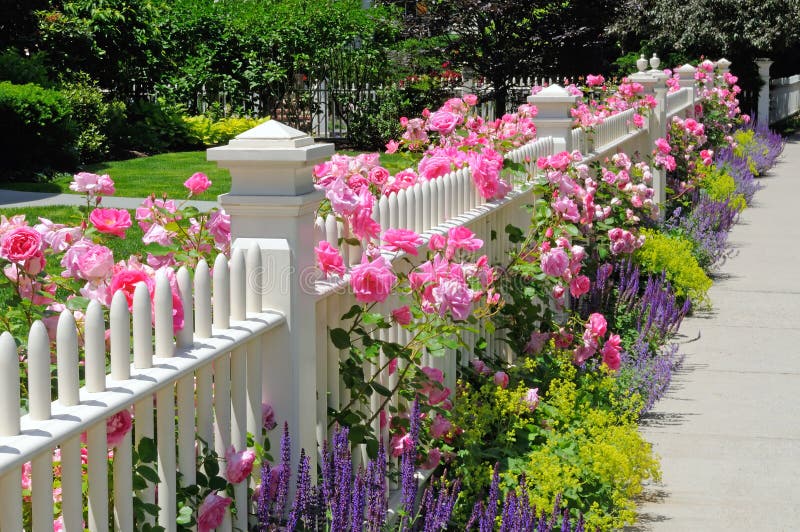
(148,473)
(218,483)
(340,338)
(77,303)
(371,318)
(354,310)
(372,448)
(357,434)
(211,466)
(184,515)
(190,211)
(572,229)
(515,234)
(147,449)
(383,390)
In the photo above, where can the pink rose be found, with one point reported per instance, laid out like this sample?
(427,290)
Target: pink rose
(437,242)
(579,286)
(238,465)
(597,324)
(437,395)
(343,199)
(433,374)
(663,146)
(582,354)
(611,351)
(434,457)
(34,265)
(117,426)
(268,416)
(219,226)
(480,366)
(126,279)
(554,262)
(595,81)
(536,343)
(402,240)
(211,512)
(455,296)
(328,258)
(197,184)
(398,443)
(431,167)
(444,122)
(372,281)
(20,244)
(159,235)
(402,315)
(440,426)
(470,99)
(379,176)
(95,263)
(532,398)
(391,146)
(111,221)
(92,184)
(462,238)
(501,379)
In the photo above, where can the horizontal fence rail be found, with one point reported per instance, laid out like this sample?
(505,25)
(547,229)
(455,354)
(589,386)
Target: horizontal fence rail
(784,98)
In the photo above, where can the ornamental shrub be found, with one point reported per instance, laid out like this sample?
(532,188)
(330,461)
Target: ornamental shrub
(204,131)
(673,254)
(38,132)
(94,118)
(720,186)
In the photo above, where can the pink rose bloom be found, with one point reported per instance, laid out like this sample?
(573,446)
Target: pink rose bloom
(434,457)
(597,324)
(125,279)
(398,443)
(372,281)
(431,167)
(444,122)
(536,343)
(433,374)
(402,240)
(219,226)
(379,176)
(582,354)
(579,286)
(485,169)
(462,238)
(501,379)
(480,366)
(92,184)
(663,146)
(361,222)
(111,221)
(595,81)
(197,184)
(117,426)
(391,146)
(34,265)
(638,120)
(343,199)
(95,263)
(267,416)
(437,242)
(455,296)
(611,351)
(402,315)
(532,398)
(400,181)
(238,465)
(554,262)
(20,244)
(328,258)
(437,395)
(470,99)
(440,426)
(392,367)
(211,512)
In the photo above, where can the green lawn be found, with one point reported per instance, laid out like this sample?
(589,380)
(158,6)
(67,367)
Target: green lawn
(71,215)
(141,176)
(165,173)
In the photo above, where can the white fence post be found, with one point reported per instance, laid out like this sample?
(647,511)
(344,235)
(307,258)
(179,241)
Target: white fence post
(273,200)
(762,116)
(554,119)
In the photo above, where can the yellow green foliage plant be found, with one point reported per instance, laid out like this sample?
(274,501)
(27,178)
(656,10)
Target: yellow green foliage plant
(673,254)
(720,186)
(208,132)
(580,441)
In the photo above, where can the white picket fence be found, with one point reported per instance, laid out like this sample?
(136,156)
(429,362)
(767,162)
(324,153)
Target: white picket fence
(244,334)
(784,98)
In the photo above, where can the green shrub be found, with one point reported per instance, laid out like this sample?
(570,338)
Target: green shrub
(153,127)
(673,254)
(21,70)
(93,118)
(38,133)
(203,131)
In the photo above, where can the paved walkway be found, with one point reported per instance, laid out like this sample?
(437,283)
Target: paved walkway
(729,430)
(10,199)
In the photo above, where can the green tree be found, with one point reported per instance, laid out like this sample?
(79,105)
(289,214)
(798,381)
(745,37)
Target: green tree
(502,39)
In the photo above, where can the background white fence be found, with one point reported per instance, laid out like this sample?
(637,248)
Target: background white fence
(257,330)
(784,98)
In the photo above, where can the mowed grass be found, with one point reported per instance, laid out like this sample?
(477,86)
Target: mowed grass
(165,173)
(72,215)
(141,176)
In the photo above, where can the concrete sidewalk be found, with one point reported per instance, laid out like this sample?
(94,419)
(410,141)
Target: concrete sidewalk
(10,199)
(728,432)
